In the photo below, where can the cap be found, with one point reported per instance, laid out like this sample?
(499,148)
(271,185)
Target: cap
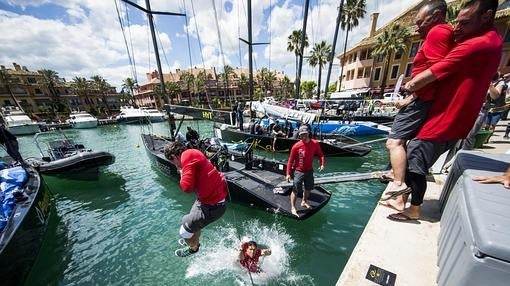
(303,130)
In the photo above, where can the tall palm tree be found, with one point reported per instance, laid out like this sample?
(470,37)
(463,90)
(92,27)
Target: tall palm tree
(188,78)
(6,83)
(265,79)
(200,84)
(294,45)
(130,84)
(307,87)
(390,42)
(227,71)
(81,87)
(353,11)
(103,87)
(243,84)
(321,53)
(51,78)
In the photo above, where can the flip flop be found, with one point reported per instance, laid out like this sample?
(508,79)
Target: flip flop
(388,205)
(394,194)
(401,217)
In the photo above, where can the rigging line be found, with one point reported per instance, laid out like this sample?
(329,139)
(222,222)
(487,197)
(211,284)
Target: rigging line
(131,43)
(270,32)
(221,48)
(161,46)
(124,35)
(187,35)
(198,34)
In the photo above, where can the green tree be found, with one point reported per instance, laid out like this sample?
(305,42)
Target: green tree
(188,79)
(265,79)
(51,78)
(294,45)
(286,87)
(101,85)
(390,42)
(81,87)
(173,90)
(308,88)
(353,11)
(201,83)
(320,56)
(129,84)
(452,12)
(243,84)
(332,87)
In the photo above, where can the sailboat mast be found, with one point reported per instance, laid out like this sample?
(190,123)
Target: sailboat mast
(156,52)
(250,55)
(149,13)
(302,49)
(340,11)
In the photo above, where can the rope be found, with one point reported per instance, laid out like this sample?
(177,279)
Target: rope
(131,61)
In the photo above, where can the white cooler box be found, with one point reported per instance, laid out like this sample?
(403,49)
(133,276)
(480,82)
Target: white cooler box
(474,241)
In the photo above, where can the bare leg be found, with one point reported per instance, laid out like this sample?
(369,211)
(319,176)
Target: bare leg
(293,203)
(194,241)
(304,202)
(398,160)
(399,203)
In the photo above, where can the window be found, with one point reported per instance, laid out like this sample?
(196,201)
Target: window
(377,74)
(398,55)
(38,91)
(367,72)
(394,71)
(409,69)
(363,55)
(379,59)
(414,49)
(31,80)
(360,73)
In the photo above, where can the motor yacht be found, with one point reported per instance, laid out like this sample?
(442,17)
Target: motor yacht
(82,120)
(18,122)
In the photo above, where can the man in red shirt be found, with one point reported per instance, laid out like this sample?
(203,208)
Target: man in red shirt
(301,159)
(249,256)
(464,76)
(199,175)
(431,25)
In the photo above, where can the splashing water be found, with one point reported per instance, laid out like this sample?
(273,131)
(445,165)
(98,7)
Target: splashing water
(219,258)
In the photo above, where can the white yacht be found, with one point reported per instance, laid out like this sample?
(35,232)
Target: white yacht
(154,114)
(82,119)
(131,115)
(18,122)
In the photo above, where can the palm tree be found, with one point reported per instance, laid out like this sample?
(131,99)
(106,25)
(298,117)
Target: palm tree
(320,56)
(243,84)
(308,87)
(200,83)
(265,79)
(81,87)
(6,83)
(391,41)
(130,85)
(227,71)
(188,78)
(103,87)
(51,78)
(173,90)
(294,45)
(353,11)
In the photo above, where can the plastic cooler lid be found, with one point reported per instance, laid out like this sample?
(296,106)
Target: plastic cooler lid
(487,207)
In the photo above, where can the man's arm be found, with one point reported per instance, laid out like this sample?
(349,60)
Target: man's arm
(496,89)
(500,179)
(187,182)
(290,163)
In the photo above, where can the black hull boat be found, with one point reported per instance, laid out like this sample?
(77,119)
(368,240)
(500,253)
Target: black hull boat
(63,157)
(22,236)
(337,146)
(253,182)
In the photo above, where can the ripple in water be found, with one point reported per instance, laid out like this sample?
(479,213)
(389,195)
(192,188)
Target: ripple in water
(219,259)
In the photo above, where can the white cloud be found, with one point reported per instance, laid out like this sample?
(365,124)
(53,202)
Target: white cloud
(87,40)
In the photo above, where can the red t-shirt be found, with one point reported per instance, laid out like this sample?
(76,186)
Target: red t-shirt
(437,44)
(301,156)
(200,175)
(251,263)
(464,77)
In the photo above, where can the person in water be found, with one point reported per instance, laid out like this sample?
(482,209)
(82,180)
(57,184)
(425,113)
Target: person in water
(195,169)
(250,254)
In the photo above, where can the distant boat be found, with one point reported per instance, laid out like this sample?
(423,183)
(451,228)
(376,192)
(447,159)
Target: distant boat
(63,156)
(131,115)
(82,119)
(26,209)
(18,122)
(154,114)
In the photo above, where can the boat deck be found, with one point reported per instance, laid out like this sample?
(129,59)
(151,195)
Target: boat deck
(408,250)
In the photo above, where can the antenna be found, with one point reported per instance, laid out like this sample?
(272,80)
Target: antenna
(149,13)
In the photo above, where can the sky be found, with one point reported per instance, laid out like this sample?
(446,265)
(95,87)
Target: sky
(83,38)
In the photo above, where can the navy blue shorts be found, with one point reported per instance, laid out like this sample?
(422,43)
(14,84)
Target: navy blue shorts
(409,120)
(303,177)
(201,215)
(423,154)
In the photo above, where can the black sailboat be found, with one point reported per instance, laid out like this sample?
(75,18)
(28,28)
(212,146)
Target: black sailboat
(25,211)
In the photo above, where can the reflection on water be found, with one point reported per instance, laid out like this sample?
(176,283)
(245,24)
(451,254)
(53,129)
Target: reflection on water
(122,228)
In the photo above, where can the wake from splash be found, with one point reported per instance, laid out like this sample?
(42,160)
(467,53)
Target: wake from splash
(218,256)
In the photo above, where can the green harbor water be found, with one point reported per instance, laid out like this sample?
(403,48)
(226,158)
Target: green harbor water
(121,227)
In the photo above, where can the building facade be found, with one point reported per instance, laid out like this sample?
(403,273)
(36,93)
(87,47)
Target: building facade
(362,71)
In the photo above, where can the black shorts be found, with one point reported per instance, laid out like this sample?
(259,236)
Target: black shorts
(201,215)
(300,177)
(409,120)
(422,154)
